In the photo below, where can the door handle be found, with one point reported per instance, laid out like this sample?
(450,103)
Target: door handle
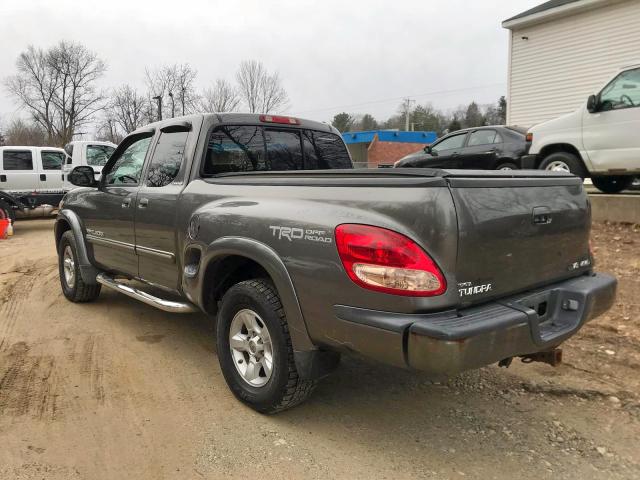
(126,202)
(43,177)
(143,202)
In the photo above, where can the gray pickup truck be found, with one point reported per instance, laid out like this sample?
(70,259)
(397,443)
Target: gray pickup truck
(261,222)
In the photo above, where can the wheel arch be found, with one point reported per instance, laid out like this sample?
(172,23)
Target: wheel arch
(69,220)
(229,260)
(559,148)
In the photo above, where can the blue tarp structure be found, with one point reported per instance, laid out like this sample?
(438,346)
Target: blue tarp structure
(389,136)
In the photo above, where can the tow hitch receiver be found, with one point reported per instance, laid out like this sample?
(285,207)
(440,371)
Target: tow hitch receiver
(552,357)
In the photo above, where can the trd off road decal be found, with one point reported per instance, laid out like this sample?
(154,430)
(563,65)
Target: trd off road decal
(297,233)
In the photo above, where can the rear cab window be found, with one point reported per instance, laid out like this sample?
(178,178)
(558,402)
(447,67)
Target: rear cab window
(17,160)
(247,148)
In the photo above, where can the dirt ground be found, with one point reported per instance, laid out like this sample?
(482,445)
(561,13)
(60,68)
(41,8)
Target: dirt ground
(117,389)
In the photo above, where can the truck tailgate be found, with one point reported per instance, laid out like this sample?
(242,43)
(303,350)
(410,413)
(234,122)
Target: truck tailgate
(518,231)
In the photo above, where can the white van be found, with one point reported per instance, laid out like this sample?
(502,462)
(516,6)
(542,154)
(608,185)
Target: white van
(31,169)
(601,139)
(87,153)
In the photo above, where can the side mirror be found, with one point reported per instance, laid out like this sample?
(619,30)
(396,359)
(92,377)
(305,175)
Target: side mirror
(427,149)
(82,177)
(592,103)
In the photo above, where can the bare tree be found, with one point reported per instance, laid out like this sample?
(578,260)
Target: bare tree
(127,108)
(222,97)
(57,87)
(260,91)
(108,130)
(175,85)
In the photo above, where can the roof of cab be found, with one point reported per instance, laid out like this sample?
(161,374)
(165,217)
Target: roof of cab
(28,147)
(236,118)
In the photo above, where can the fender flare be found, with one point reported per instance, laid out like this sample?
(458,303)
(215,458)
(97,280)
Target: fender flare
(275,267)
(87,271)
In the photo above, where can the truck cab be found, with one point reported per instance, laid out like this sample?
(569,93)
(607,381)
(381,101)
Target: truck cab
(86,153)
(598,140)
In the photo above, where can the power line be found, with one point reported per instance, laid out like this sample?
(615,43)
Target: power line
(437,92)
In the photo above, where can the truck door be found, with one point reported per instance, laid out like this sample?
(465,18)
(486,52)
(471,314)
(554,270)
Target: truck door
(610,134)
(51,162)
(156,208)
(19,171)
(108,213)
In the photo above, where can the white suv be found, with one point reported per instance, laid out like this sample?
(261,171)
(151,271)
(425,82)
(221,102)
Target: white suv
(601,139)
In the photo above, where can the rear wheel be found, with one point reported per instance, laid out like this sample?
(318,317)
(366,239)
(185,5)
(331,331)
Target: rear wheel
(255,351)
(612,183)
(6,211)
(564,162)
(73,287)
(507,166)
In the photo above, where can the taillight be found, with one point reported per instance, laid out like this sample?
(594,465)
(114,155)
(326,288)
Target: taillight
(386,261)
(279,119)
(529,137)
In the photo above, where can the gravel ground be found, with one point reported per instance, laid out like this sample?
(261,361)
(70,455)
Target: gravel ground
(117,389)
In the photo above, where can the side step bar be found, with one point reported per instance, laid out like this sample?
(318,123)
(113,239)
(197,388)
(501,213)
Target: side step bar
(166,305)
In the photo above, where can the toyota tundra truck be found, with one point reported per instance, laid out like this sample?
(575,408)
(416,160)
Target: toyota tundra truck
(261,222)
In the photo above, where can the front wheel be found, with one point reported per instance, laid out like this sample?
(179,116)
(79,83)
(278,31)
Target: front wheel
(612,183)
(73,287)
(255,351)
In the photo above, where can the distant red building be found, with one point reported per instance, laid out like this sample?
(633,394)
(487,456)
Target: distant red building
(384,147)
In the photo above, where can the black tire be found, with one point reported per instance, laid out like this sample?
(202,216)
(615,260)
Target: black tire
(7,211)
(78,291)
(612,183)
(574,163)
(507,166)
(284,389)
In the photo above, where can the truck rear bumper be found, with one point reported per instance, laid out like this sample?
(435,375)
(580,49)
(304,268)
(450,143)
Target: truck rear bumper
(450,342)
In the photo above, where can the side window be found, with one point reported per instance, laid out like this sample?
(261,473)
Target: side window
(235,149)
(622,92)
(167,159)
(17,160)
(483,137)
(128,167)
(324,151)
(52,160)
(98,155)
(284,151)
(450,143)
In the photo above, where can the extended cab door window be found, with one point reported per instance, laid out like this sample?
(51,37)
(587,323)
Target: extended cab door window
(52,160)
(166,163)
(235,149)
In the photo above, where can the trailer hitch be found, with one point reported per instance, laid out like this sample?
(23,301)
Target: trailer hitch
(551,357)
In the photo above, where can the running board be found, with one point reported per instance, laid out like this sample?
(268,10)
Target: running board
(144,297)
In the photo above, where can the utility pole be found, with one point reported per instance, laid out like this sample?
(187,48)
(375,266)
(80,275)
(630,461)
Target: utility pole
(406,106)
(159,100)
(182,98)
(173,105)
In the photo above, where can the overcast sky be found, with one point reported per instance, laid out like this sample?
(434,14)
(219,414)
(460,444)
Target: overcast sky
(333,56)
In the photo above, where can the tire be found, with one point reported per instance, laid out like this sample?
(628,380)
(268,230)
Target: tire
(257,301)
(73,287)
(507,166)
(7,211)
(564,161)
(612,183)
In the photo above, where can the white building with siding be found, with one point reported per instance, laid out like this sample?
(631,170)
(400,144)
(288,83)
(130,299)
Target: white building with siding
(562,51)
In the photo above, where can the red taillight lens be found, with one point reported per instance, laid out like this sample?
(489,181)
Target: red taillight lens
(279,119)
(386,261)
(529,137)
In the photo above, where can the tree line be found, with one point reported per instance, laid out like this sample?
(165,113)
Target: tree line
(58,88)
(427,118)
